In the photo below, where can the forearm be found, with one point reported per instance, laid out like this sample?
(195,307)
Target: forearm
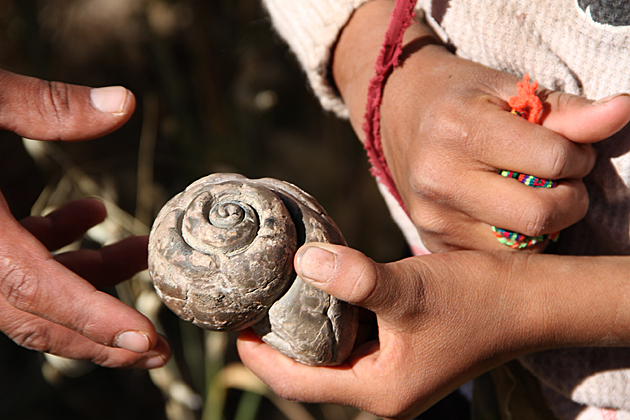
(358,47)
(580,301)
(526,302)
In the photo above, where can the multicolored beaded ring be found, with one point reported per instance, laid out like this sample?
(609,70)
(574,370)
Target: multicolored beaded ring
(526,105)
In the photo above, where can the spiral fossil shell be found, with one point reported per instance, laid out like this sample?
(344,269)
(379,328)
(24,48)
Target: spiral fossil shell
(221,256)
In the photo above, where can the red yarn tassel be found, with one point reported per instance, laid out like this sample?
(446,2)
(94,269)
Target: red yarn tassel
(526,104)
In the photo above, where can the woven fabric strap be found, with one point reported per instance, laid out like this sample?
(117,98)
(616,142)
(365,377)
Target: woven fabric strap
(387,60)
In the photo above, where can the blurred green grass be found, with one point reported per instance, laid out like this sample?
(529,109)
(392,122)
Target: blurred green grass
(217,90)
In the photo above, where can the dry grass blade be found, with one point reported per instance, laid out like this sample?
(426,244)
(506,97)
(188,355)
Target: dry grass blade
(146,156)
(235,375)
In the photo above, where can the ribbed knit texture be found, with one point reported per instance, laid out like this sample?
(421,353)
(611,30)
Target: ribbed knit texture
(311,28)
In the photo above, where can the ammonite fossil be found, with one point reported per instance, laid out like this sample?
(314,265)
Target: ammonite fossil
(221,256)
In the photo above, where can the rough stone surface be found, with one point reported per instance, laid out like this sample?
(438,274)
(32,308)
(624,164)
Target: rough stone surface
(221,256)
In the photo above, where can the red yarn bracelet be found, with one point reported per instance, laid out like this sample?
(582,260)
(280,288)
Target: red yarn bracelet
(388,58)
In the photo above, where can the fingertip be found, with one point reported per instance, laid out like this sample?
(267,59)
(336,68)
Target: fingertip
(583,120)
(249,337)
(617,111)
(315,262)
(162,347)
(249,345)
(251,348)
(134,244)
(151,362)
(141,242)
(130,254)
(114,100)
(156,357)
(90,208)
(338,270)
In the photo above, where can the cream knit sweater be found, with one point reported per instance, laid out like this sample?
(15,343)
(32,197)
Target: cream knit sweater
(577,46)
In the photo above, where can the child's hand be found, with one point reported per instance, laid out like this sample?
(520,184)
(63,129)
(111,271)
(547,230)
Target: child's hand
(447,132)
(445,318)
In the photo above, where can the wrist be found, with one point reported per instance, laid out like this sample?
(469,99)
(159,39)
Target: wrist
(357,50)
(573,301)
(506,305)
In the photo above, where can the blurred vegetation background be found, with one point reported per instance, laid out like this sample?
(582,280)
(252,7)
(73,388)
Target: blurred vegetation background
(217,91)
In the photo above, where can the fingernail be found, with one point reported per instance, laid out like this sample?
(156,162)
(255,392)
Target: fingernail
(151,363)
(110,99)
(316,264)
(609,98)
(133,341)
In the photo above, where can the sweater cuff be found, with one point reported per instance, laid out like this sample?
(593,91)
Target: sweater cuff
(311,28)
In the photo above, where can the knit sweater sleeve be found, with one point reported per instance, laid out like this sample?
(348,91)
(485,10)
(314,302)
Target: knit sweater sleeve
(311,28)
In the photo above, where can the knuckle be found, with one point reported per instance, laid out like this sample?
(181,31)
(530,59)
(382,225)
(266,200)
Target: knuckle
(444,123)
(364,288)
(33,336)
(567,102)
(20,287)
(432,183)
(432,221)
(55,108)
(535,220)
(558,159)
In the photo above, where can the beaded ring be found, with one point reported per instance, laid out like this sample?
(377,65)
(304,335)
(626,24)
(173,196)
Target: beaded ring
(530,180)
(526,105)
(518,240)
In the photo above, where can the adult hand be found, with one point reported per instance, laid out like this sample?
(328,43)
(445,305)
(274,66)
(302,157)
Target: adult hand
(53,304)
(447,132)
(443,319)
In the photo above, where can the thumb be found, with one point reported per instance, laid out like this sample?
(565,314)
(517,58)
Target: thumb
(583,120)
(348,275)
(43,110)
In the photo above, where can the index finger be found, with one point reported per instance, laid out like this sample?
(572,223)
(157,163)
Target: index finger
(512,143)
(67,223)
(48,290)
(369,380)
(38,334)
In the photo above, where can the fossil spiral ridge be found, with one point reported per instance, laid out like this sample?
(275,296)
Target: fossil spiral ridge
(221,256)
